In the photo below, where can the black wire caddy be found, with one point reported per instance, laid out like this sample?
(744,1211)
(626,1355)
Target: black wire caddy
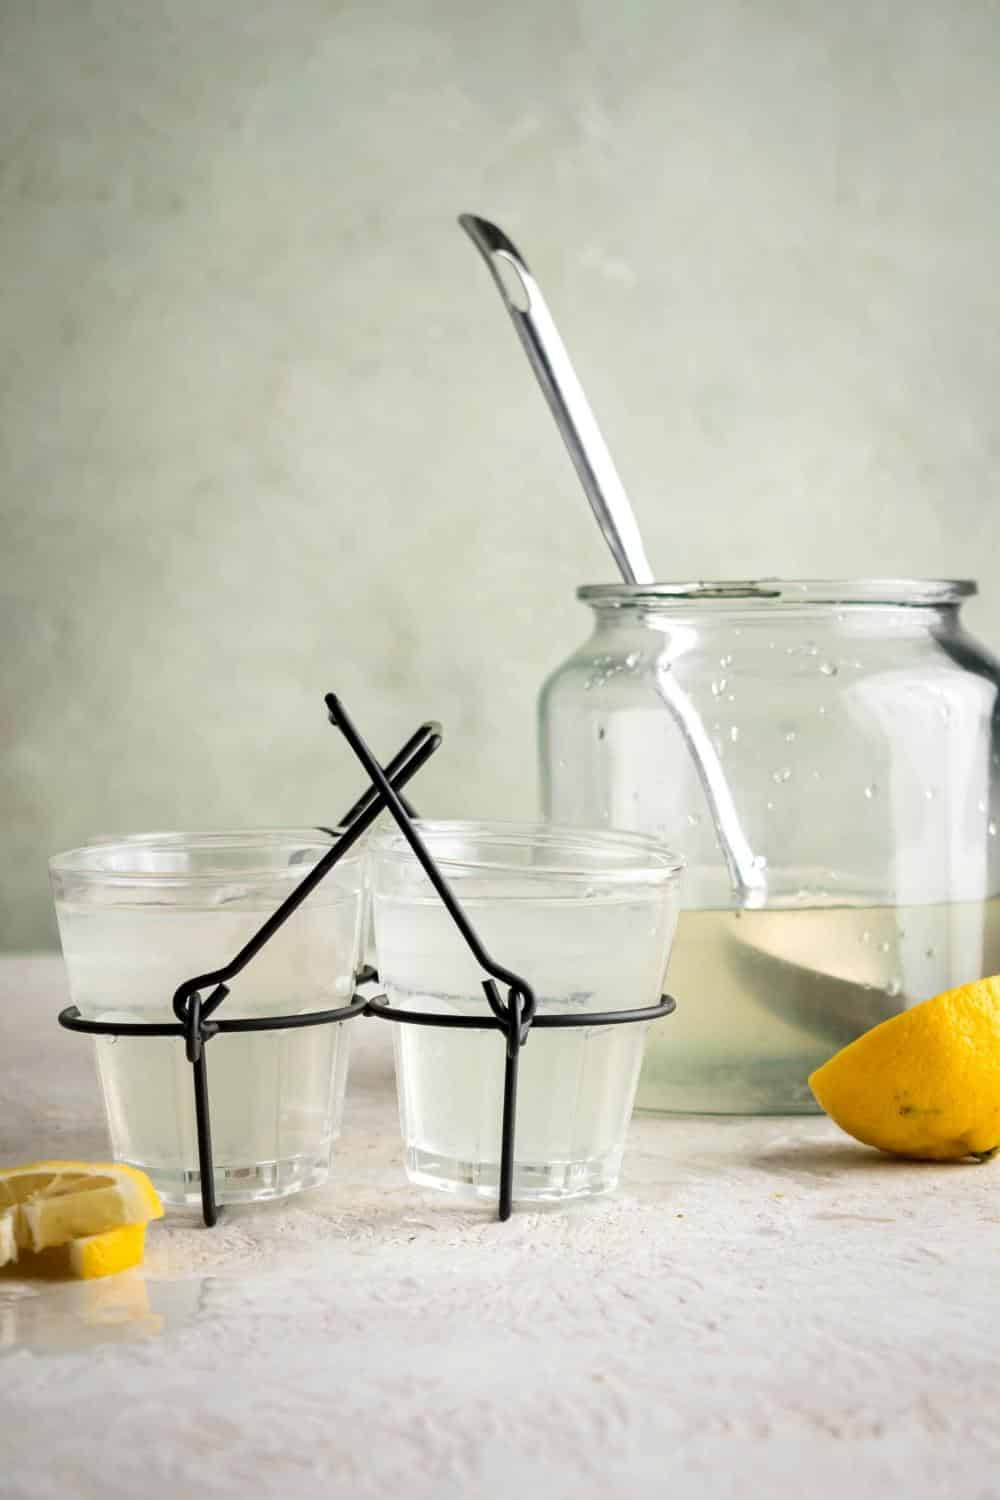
(515,1016)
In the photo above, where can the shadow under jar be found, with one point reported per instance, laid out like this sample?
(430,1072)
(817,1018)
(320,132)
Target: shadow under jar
(854,727)
(587,919)
(139,916)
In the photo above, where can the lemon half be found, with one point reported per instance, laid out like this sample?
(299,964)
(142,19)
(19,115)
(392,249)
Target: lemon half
(925,1083)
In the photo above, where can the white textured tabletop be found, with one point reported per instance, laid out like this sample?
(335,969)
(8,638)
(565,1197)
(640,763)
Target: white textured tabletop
(762,1308)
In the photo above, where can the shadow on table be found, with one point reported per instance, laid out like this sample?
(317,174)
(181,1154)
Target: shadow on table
(834,1158)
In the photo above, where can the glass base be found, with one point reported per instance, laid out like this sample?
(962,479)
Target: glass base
(533,1183)
(256,1183)
(749,1088)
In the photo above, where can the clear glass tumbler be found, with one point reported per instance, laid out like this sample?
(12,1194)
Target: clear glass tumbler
(139,916)
(587,919)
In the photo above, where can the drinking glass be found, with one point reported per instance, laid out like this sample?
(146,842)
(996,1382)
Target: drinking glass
(139,916)
(587,919)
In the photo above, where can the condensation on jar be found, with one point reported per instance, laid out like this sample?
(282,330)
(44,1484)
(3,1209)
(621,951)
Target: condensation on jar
(826,757)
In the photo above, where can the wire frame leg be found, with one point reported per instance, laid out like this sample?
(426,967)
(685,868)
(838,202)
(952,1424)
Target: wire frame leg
(507,1137)
(508,1128)
(203,1121)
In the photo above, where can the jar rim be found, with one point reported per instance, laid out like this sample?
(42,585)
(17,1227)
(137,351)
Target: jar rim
(783,592)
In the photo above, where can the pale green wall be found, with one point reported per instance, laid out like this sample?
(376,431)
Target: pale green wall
(267,431)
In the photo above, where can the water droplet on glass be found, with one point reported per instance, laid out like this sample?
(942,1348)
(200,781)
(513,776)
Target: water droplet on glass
(981,805)
(812,649)
(828,668)
(632,658)
(893,988)
(725,661)
(930,794)
(883,947)
(601,732)
(991,828)
(930,953)
(789,737)
(760,861)
(822,709)
(783,773)
(871,790)
(866,936)
(734,734)
(769,806)
(718,687)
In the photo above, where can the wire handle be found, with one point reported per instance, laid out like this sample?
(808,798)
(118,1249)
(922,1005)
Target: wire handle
(518,1011)
(513,1016)
(193,1012)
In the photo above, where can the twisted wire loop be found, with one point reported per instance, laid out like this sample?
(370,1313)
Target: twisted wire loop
(192,1023)
(186,993)
(196,1027)
(515,1014)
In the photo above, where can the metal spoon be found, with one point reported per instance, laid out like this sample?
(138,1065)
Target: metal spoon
(562,390)
(610,503)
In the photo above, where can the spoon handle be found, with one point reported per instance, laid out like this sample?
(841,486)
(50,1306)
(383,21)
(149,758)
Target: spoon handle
(562,390)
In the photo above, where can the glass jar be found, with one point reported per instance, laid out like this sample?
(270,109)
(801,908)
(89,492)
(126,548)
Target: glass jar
(825,757)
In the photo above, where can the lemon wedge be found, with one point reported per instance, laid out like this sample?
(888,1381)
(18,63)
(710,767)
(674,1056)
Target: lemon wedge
(925,1083)
(84,1259)
(99,1210)
(106,1254)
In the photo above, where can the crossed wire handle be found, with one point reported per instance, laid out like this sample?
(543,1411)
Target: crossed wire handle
(405,763)
(515,983)
(514,1015)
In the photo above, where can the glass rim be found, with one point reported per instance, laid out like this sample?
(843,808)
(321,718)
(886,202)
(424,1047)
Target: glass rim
(906,592)
(197,835)
(93,861)
(652,860)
